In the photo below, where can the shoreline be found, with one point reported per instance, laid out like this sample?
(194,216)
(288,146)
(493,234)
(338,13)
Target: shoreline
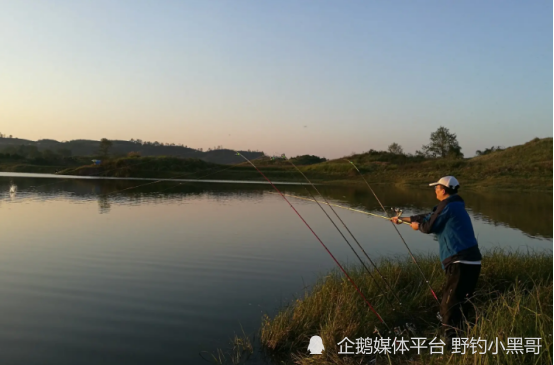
(513,299)
(525,167)
(515,184)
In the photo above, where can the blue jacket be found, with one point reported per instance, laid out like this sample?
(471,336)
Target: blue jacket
(452,226)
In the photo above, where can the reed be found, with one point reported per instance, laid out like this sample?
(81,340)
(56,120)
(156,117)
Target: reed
(513,299)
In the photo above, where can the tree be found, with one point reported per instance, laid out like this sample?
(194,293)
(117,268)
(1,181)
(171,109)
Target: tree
(396,149)
(104,148)
(307,159)
(442,144)
(486,151)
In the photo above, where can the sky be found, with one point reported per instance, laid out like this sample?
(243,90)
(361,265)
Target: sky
(298,77)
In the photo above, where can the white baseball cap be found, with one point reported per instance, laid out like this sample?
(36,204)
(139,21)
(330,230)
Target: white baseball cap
(448,181)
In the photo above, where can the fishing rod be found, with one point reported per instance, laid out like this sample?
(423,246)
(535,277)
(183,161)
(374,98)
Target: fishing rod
(342,207)
(319,239)
(351,235)
(399,234)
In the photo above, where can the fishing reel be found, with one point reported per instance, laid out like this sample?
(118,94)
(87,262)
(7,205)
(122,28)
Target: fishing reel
(397,212)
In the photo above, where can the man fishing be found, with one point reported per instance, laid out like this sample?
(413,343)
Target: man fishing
(459,252)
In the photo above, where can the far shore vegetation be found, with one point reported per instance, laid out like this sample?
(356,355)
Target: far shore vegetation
(523,167)
(513,299)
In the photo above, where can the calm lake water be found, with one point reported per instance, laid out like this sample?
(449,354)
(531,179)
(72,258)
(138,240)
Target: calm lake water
(91,274)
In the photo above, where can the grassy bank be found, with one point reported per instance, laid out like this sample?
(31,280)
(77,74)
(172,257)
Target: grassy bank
(30,168)
(180,168)
(525,167)
(147,167)
(513,299)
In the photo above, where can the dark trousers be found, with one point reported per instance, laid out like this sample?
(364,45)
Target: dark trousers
(461,280)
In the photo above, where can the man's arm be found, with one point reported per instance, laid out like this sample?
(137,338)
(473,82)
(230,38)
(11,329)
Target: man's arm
(414,221)
(415,218)
(420,218)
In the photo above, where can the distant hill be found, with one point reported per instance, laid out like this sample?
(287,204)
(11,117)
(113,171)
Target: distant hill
(84,147)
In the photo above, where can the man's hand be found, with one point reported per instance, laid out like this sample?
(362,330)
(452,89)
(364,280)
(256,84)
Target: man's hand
(396,220)
(415,226)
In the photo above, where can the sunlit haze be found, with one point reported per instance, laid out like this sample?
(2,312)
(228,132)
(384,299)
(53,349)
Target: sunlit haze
(320,77)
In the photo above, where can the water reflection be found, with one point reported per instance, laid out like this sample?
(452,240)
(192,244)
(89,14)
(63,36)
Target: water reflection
(168,270)
(104,204)
(526,211)
(529,212)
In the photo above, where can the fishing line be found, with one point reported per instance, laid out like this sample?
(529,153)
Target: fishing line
(352,248)
(320,241)
(351,235)
(339,206)
(399,234)
(59,180)
(84,177)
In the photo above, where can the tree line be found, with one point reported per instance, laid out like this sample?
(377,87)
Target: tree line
(442,144)
(32,154)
